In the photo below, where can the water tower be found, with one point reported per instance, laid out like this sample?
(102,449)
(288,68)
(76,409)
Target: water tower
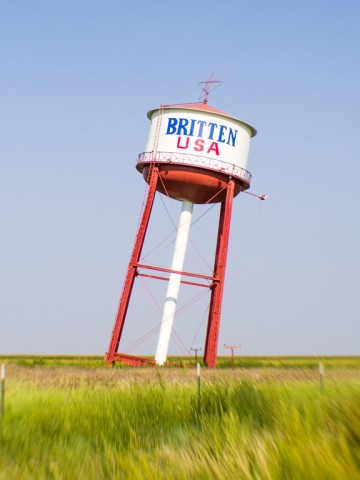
(195,154)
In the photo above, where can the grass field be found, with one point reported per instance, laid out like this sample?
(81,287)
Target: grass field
(71,417)
(97,361)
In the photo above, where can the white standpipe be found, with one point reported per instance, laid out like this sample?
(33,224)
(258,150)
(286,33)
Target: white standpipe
(174,283)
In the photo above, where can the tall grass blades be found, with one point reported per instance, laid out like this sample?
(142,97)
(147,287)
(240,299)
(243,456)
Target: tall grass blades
(145,424)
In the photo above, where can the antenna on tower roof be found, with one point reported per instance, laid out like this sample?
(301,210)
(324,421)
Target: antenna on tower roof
(207,87)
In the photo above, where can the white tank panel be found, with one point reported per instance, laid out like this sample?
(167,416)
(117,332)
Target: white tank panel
(201,133)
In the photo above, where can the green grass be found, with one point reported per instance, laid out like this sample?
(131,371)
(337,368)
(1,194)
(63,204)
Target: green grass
(93,361)
(103,423)
(97,361)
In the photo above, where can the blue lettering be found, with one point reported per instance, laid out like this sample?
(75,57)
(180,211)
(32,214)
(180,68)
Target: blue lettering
(212,128)
(221,133)
(192,126)
(171,129)
(183,123)
(232,137)
(201,129)
(201,126)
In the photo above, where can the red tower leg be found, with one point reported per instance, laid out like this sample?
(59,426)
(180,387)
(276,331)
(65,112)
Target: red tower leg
(212,334)
(132,269)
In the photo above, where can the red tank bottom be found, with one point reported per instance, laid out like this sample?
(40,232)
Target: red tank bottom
(194,184)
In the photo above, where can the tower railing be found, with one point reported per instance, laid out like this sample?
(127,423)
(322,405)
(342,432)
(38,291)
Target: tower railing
(194,161)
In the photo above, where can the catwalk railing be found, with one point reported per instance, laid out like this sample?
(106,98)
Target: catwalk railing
(188,159)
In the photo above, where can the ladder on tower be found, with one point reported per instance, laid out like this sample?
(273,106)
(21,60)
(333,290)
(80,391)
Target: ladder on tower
(151,180)
(132,268)
(157,132)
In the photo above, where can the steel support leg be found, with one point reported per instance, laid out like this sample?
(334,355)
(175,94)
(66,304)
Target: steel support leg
(132,269)
(212,334)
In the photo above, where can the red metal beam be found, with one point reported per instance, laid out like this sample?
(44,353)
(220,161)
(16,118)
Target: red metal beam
(212,334)
(157,277)
(132,268)
(134,361)
(168,270)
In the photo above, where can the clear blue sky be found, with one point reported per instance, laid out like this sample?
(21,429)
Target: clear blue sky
(76,81)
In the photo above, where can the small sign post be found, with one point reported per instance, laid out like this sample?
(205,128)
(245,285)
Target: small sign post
(232,348)
(196,354)
(2,410)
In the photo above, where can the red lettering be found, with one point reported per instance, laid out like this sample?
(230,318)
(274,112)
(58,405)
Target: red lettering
(214,147)
(199,145)
(186,144)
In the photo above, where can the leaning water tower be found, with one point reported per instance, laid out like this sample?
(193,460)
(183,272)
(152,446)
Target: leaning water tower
(195,154)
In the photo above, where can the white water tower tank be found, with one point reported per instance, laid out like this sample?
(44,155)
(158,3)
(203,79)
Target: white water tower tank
(196,148)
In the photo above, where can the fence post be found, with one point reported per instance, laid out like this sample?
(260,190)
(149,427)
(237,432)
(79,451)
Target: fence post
(199,387)
(2,409)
